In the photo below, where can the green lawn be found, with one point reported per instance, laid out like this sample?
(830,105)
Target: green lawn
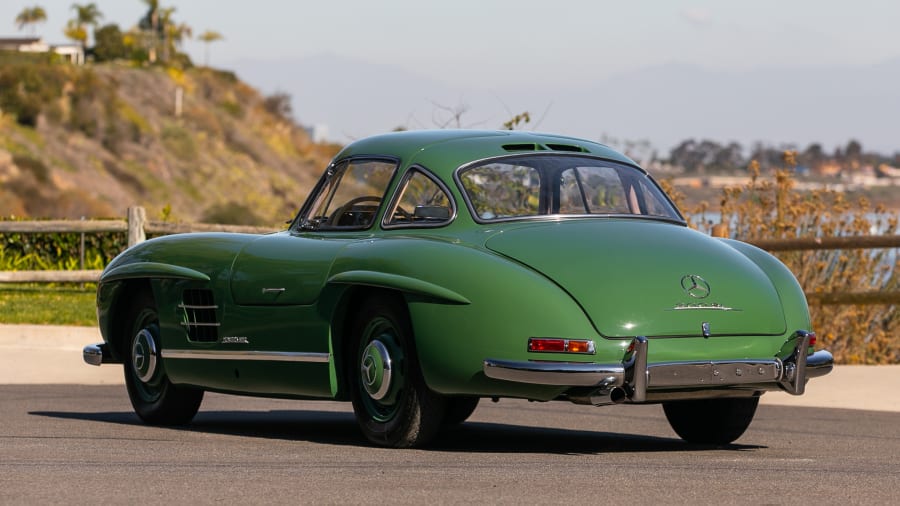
(48,304)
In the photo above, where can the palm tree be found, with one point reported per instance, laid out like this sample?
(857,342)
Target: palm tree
(31,16)
(173,33)
(207,37)
(85,15)
(150,25)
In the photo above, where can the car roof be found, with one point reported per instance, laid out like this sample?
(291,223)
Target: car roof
(443,151)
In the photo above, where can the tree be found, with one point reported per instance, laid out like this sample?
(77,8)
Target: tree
(208,37)
(813,156)
(160,34)
(172,33)
(85,15)
(31,16)
(149,24)
(279,104)
(109,43)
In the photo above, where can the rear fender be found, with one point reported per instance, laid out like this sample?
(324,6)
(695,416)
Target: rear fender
(465,304)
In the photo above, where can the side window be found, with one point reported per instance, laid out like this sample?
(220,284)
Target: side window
(351,196)
(422,202)
(503,190)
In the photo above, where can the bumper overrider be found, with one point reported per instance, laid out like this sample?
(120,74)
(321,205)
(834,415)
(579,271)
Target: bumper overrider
(97,354)
(634,380)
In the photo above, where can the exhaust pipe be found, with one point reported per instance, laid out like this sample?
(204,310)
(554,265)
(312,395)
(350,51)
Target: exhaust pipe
(603,396)
(618,395)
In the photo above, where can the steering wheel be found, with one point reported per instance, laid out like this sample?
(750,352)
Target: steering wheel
(404,214)
(336,215)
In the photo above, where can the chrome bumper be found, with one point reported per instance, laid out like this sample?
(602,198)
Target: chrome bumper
(632,379)
(97,354)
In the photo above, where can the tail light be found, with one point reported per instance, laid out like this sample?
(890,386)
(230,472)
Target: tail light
(555,345)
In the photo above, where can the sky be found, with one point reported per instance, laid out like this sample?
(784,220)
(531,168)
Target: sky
(552,46)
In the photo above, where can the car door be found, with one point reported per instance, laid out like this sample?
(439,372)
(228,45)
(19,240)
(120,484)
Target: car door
(277,279)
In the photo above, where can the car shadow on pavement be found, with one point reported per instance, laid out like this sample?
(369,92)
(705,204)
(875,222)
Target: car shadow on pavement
(340,428)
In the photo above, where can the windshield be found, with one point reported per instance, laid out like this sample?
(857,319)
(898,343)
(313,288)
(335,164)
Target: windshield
(350,196)
(539,185)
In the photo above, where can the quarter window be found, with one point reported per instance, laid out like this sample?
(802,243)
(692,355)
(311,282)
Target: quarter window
(422,202)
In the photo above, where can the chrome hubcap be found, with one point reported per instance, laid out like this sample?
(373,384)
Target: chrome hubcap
(144,356)
(375,370)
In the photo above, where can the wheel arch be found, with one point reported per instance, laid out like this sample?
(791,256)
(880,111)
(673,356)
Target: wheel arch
(348,300)
(112,309)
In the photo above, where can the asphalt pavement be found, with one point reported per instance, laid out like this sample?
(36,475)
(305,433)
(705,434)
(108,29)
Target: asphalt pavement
(46,354)
(77,444)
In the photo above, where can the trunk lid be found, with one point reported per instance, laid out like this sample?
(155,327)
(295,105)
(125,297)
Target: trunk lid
(651,278)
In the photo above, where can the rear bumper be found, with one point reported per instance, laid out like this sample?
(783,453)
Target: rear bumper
(634,380)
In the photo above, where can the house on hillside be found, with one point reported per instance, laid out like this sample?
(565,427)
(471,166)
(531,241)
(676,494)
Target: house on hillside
(73,53)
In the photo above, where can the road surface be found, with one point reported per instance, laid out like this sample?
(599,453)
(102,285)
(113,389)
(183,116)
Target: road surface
(74,444)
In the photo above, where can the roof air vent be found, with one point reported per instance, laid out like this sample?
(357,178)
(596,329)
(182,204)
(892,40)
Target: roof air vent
(522,147)
(567,147)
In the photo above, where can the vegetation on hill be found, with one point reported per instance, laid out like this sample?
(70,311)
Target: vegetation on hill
(91,141)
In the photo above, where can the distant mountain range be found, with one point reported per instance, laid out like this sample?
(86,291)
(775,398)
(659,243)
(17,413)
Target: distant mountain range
(663,104)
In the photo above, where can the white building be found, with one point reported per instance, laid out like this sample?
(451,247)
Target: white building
(73,53)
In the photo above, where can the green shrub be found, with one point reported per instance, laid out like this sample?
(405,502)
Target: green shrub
(179,142)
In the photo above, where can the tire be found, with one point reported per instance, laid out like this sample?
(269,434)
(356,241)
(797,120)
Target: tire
(392,404)
(155,399)
(711,421)
(459,409)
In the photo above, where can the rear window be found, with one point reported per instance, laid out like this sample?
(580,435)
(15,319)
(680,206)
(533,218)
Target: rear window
(540,185)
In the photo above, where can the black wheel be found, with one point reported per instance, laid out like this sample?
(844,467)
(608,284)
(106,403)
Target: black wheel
(459,409)
(711,421)
(392,404)
(154,398)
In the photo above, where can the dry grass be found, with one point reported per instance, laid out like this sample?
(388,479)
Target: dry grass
(856,334)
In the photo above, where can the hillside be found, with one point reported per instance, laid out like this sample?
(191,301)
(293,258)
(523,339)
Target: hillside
(91,141)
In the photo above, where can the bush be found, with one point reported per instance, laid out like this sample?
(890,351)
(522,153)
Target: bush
(856,334)
(58,251)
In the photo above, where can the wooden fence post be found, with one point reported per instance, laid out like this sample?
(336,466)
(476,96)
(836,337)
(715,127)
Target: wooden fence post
(137,217)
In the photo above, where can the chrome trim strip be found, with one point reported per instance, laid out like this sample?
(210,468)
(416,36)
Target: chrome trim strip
(696,307)
(714,372)
(199,324)
(271,356)
(585,374)
(191,306)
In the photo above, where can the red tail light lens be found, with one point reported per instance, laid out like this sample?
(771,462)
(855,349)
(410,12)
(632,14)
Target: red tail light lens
(553,345)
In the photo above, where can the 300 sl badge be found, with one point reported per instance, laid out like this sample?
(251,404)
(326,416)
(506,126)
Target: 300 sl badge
(235,340)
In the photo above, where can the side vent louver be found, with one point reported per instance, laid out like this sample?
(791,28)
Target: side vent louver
(199,315)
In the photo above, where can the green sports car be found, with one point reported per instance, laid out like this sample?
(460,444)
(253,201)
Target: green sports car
(428,270)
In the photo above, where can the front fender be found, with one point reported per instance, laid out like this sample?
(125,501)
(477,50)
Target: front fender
(147,270)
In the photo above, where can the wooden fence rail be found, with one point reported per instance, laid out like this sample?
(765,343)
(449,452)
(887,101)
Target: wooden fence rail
(138,227)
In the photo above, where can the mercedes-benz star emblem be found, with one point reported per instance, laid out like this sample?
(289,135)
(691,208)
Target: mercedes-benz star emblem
(695,286)
(368,370)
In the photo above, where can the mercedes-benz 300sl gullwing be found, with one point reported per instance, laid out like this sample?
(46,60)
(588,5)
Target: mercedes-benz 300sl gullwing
(428,270)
